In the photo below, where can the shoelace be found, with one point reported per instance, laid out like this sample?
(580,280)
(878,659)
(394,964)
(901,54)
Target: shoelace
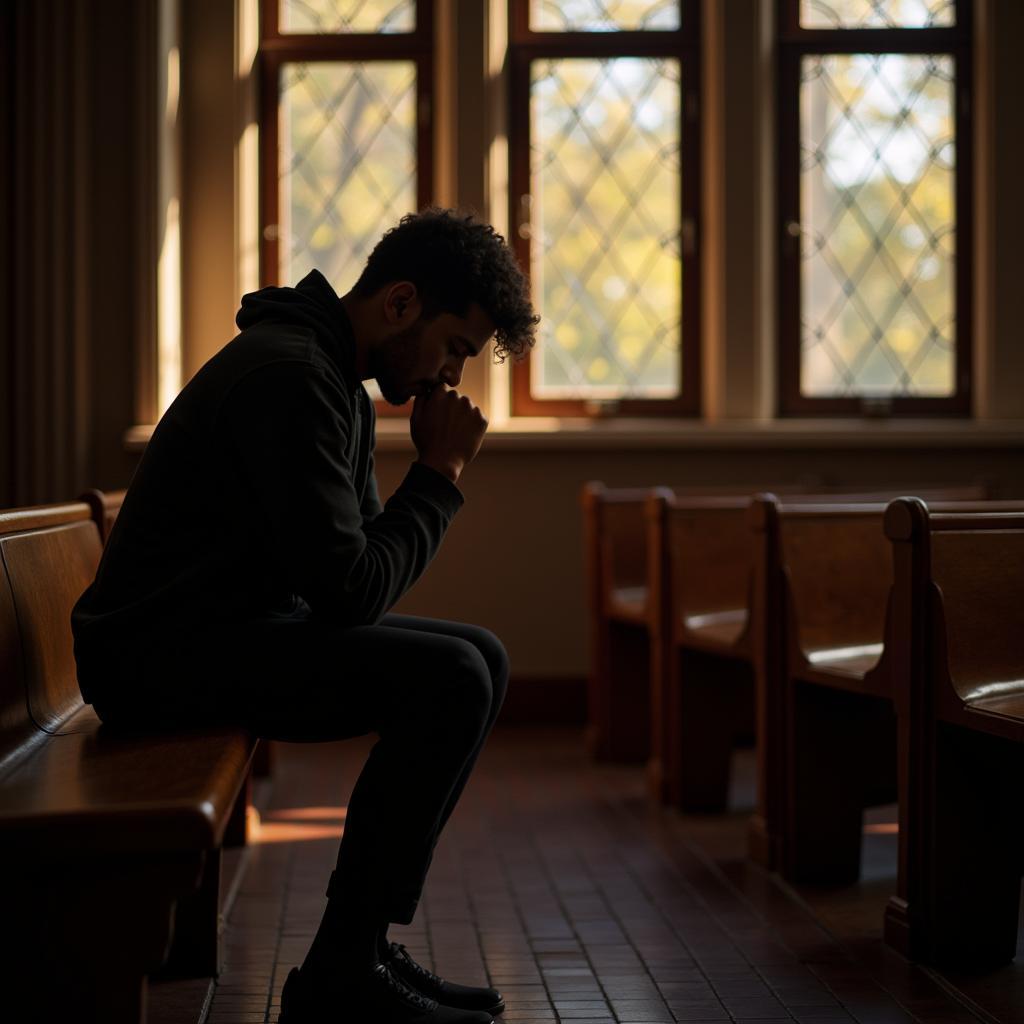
(399,952)
(405,992)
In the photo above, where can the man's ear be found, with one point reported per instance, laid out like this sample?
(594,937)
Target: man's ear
(402,304)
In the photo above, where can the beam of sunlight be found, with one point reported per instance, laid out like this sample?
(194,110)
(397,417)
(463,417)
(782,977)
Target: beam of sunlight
(321,814)
(173,87)
(248,219)
(296,824)
(882,828)
(169,307)
(289,832)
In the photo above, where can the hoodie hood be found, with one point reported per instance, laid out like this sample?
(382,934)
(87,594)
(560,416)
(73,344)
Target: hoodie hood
(311,303)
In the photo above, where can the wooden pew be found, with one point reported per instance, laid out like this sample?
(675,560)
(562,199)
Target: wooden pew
(700,567)
(701,560)
(826,727)
(617,564)
(618,726)
(958,668)
(112,840)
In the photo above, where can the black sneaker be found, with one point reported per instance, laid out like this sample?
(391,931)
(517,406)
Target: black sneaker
(380,997)
(463,997)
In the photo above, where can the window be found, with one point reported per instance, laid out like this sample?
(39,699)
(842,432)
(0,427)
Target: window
(345,131)
(875,232)
(604,192)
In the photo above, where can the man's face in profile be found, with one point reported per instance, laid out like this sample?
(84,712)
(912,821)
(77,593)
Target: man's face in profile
(429,352)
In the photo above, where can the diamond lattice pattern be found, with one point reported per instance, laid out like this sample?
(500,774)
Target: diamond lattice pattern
(605,227)
(347,163)
(334,16)
(877,13)
(603,15)
(878,231)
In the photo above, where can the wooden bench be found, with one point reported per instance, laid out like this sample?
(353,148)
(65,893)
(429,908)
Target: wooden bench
(826,726)
(618,725)
(109,843)
(958,669)
(701,581)
(700,573)
(617,562)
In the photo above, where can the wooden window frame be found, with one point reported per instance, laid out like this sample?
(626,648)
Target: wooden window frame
(795,43)
(526,46)
(277,48)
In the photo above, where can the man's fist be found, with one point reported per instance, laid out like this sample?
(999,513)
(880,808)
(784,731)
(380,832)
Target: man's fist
(447,430)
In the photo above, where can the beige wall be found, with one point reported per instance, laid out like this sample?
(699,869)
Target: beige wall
(513,559)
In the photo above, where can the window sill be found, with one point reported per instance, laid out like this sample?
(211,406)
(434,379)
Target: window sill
(556,435)
(537,434)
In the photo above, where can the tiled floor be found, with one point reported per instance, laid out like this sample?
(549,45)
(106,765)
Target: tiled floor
(557,882)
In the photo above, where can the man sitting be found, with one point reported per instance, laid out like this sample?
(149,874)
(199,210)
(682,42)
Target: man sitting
(249,577)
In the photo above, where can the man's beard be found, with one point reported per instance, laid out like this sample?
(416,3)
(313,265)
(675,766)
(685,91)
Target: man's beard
(393,364)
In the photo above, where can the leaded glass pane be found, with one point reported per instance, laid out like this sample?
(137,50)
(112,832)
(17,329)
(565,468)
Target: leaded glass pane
(603,15)
(334,16)
(878,226)
(605,227)
(347,163)
(877,13)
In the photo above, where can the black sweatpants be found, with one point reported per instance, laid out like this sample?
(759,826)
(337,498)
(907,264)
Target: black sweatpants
(430,690)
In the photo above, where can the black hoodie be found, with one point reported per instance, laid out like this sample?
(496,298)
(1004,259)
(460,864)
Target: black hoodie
(257,488)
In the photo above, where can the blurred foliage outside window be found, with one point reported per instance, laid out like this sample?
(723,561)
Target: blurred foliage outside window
(333,16)
(877,13)
(347,163)
(603,15)
(605,227)
(877,225)
(347,140)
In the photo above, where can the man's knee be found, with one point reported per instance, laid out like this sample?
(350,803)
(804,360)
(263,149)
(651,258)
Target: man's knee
(471,678)
(496,657)
(454,689)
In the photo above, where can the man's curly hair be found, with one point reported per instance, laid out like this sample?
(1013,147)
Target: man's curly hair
(455,260)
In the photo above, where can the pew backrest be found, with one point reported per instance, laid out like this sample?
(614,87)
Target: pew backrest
(836,564)
(709,559)
(614,525)
(16,727)
(968,570)
(49,557)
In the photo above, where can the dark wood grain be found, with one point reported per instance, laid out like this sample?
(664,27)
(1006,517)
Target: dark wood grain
(48,569)
(958,670)
(822,600)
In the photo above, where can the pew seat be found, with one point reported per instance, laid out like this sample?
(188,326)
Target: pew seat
(715,630)
(832,666)
(998,712)
(98,792)
(628,604)
(113,838)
